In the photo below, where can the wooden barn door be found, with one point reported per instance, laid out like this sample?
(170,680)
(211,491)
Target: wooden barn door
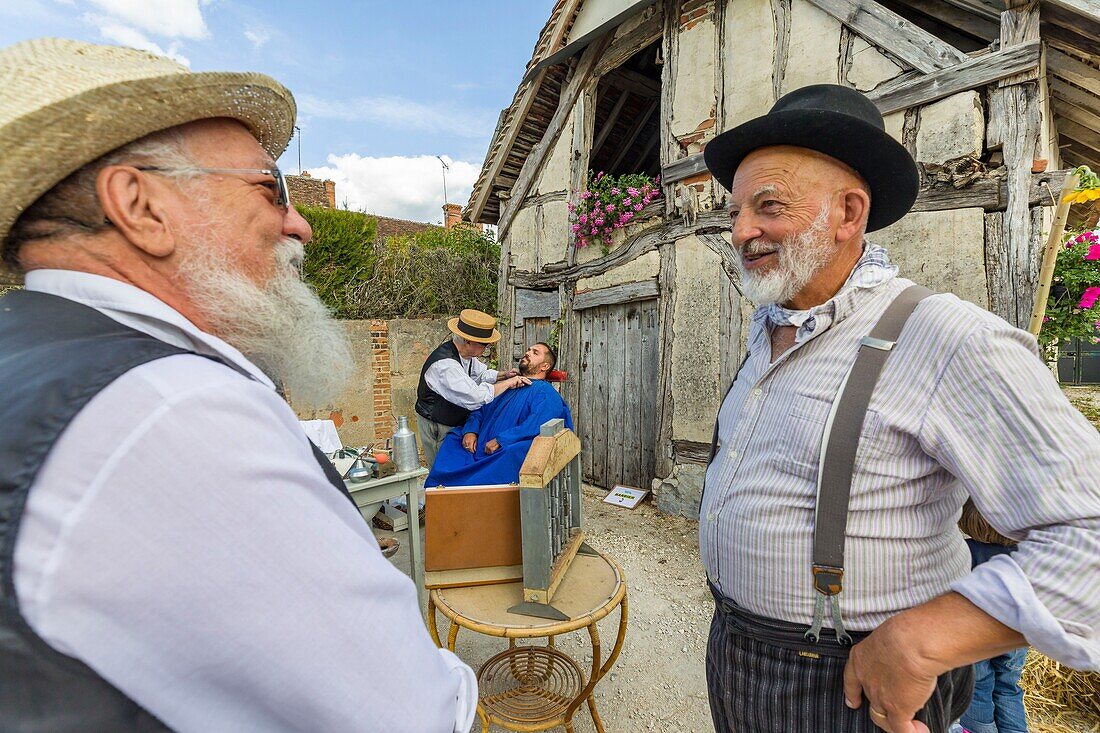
(617,409)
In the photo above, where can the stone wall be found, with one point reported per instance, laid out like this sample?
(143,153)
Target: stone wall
(314,192)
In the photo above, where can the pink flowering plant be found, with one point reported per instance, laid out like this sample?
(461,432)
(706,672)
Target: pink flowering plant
(1073,308)
(608,203)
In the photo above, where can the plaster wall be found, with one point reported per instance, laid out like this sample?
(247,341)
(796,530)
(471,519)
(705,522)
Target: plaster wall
(645,267)
(695,366)
(814,52)
(693,98)
(942,250)
(554,232)
(869,67)
(749,42)
(555,172)
(352,411)
(951,128)
(411,340)
(521,239)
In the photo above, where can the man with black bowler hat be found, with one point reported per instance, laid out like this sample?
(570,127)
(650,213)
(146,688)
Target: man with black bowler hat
(174,552)
(865,412)
(454,382)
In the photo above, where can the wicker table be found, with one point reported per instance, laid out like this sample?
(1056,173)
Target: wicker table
(532,688)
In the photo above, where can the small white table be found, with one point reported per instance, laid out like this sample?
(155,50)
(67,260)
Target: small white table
(402,483)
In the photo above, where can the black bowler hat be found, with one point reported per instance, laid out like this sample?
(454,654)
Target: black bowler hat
(839,122)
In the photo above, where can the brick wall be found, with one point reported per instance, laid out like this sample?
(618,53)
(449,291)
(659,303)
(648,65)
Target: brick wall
(380,366)
(313,192)
(693,11)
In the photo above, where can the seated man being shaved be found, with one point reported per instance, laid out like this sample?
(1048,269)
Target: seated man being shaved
(490,447)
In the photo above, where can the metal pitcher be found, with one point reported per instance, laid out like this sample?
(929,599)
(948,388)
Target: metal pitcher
(406,456)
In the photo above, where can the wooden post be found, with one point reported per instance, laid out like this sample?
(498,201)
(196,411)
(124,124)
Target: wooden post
(1020,103)
(1050,256)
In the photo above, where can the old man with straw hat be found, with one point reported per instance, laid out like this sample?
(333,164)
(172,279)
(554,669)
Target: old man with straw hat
(866,412)
(174,552)
(454,382)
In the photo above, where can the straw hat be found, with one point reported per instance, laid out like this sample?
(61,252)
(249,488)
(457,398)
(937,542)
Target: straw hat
(476,326)
(67,103)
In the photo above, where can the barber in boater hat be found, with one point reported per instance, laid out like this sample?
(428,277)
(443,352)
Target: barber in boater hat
(845,599)
(454,382)
(174,553)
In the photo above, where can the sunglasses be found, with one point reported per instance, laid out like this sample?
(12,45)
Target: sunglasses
(282,193)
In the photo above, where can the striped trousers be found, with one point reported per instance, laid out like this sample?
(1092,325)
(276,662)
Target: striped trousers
(763,677)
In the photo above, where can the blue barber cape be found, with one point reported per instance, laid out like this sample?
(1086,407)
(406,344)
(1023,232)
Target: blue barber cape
(513,418)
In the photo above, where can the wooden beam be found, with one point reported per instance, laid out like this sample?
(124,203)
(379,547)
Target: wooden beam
(616,294)
(1078,116)
(1076,72)
(584,122)
(678,170)
(961,20)
(990,193)
(638,83)
(632,136)
(540,152)
(646,151)
(1075,131)
(622,49)
(1076,97)
(609,123)
(906,92)
(1021,107)
(635,246)
(886,29)
(978,8)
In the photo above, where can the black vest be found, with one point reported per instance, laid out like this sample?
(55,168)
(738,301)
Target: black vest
(429,403)
(55,356)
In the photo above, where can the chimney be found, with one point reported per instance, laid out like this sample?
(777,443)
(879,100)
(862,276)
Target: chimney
(304,174)
(330,193)
(452,214)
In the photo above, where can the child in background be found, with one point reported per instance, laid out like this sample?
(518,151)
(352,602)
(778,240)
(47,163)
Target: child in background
(998,702)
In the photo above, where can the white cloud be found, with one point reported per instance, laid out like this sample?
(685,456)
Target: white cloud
(403,113)
(257,37)
(124,35)
(169,18)
(399,187)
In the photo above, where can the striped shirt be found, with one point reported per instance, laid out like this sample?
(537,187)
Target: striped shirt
(964,406)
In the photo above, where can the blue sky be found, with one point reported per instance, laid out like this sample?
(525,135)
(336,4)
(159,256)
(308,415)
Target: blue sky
(382,87)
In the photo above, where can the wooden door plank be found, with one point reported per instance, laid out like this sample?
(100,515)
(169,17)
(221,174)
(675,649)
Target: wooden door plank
(616,391)
(649,355)
(598,360)
(632,409)
(582,411)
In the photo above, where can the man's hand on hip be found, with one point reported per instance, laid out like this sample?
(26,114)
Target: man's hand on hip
(469,442)
(894,670)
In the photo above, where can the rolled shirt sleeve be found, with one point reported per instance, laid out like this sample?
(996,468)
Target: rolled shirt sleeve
(450,381)
(999,422)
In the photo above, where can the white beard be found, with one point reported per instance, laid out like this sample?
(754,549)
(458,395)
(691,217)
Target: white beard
(282,327)
(800,257)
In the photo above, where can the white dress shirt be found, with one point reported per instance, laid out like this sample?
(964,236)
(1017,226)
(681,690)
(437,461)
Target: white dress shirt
(964,406)
(182,541)
(467,383)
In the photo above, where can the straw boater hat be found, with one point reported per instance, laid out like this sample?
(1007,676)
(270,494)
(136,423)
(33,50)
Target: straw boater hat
(475,326)
(67,103)
(839,122)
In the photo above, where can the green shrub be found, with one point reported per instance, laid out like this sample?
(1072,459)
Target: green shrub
(434,272)
(340,255)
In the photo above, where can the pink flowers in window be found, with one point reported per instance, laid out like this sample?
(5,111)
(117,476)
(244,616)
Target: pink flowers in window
(1073,307)
(609,203)
(1089,297)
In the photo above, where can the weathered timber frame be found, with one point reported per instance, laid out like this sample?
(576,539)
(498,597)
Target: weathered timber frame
(1037,91)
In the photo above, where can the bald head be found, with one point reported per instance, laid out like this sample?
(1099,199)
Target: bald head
(798,218)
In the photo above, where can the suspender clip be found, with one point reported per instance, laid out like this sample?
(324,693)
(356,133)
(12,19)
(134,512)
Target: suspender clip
(874,343)
(828,580)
